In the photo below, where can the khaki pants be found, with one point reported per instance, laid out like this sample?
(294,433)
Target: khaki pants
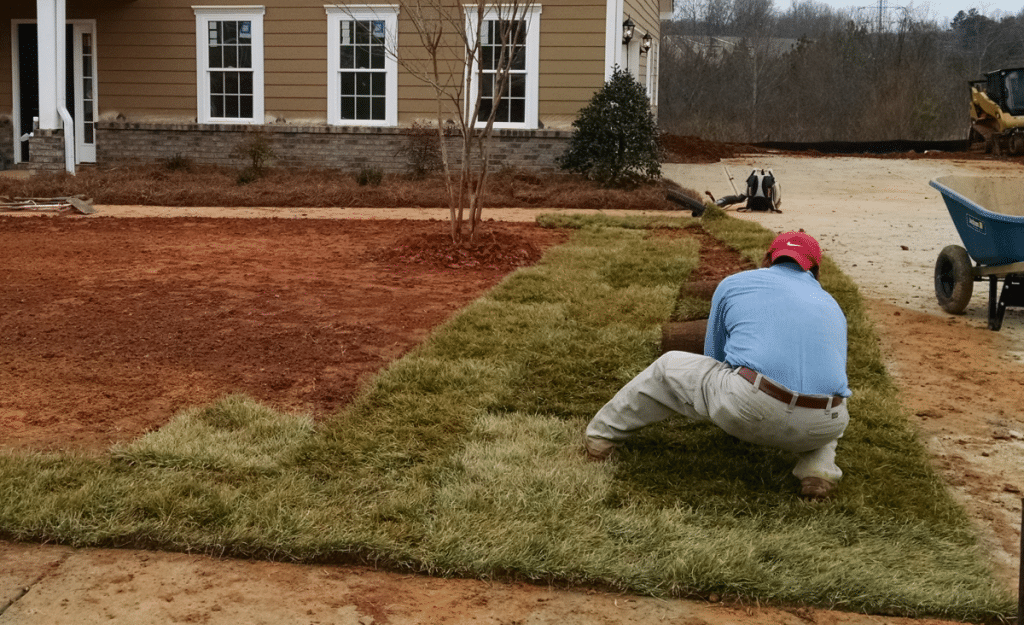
(704,389)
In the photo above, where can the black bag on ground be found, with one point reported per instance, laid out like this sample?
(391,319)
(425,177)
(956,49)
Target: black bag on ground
(763,193)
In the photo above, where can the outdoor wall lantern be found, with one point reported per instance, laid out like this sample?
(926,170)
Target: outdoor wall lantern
(645,43)
(627,30)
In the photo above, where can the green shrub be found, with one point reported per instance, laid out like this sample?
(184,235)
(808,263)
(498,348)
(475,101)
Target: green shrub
(616,139)
(257,149)
(372,176)
(247,175)
(423,150)
(179,162)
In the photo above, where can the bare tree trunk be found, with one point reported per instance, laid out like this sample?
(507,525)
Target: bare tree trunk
(449,61)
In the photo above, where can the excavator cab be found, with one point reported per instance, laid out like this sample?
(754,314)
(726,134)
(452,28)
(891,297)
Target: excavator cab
(1005,87)
(997,110)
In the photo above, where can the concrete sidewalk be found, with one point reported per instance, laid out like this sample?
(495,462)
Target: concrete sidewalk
(438,214)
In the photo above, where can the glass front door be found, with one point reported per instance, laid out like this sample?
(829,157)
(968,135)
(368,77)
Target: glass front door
(80,86)
(84,78)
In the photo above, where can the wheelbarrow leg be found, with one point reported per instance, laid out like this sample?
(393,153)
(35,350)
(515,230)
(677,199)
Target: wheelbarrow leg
(1012,294)
(995,317)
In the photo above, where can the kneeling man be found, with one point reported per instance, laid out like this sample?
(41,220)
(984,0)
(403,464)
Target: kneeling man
(773,371)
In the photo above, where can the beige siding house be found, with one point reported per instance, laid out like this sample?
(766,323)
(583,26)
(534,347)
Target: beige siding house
(335,85)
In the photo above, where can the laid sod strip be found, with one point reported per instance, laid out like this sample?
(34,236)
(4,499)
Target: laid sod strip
(465,458)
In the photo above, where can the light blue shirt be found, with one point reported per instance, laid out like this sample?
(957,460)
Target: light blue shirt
(780,322)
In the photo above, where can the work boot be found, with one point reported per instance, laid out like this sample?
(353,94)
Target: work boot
(815,487)
(599,449)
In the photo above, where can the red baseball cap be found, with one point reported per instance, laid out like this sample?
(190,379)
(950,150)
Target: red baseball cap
(799,246)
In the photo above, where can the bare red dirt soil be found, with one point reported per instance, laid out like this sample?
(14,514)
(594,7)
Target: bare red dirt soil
(112,325)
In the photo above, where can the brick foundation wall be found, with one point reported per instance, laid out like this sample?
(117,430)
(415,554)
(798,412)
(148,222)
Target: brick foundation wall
(311,147)
(7,142)
(47,150)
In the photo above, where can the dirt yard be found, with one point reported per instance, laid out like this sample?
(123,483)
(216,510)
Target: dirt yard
(112,323)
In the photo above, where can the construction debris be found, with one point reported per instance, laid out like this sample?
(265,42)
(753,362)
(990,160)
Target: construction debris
(74,203)
(82,206)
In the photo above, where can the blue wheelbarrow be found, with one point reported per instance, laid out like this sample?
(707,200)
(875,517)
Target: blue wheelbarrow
(989,216)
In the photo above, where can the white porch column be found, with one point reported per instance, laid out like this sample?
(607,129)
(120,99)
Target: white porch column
(49,86)
(613,37)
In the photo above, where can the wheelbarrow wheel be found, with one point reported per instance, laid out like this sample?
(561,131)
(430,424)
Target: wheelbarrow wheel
(954,279)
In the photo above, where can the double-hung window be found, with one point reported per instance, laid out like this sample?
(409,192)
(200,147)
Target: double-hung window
(506,40)
(229,58)
(362,72)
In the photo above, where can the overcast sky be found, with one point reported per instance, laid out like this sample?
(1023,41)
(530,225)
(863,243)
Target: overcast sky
(942,10)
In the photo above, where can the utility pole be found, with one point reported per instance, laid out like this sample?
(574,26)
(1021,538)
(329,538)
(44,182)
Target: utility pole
(881,17)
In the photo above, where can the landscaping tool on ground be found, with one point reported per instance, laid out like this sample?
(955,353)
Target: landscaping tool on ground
(696,207)
(763,192)
(989,216)
(49,205)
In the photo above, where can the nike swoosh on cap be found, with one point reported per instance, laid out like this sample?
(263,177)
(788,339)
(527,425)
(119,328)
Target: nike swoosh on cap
(791,244)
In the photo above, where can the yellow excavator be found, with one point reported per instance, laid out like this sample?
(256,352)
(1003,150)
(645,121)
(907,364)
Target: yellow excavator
(997,111)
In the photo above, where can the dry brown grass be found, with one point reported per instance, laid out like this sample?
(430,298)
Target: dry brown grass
(185,184)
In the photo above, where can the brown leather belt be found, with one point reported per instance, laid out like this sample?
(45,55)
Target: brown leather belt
(781,394)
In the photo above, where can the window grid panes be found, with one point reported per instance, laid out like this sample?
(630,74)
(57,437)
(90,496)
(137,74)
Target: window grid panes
(511,105)
(361,73)
(230,73)
(88,99)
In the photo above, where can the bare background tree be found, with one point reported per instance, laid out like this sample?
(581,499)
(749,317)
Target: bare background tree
(740,70)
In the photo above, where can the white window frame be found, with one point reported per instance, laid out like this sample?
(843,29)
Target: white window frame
(205,15)
(85,69)
(653,61)
(532,17)
(335,16)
